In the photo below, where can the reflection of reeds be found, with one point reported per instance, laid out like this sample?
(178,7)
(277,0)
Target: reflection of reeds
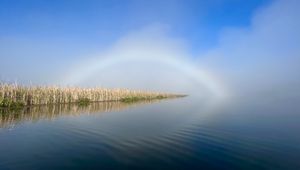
(10,118)
(16,95)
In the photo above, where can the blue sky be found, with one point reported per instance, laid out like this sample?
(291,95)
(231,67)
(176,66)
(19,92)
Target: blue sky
(98,23)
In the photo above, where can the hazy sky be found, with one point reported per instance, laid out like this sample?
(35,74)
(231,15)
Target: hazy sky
(219,45)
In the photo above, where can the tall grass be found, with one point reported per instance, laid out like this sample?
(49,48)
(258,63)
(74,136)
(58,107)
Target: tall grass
(14,95)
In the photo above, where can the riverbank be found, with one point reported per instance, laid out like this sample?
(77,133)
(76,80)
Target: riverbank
(18,96)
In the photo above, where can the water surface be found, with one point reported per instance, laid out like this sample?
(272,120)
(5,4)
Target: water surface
(184,133)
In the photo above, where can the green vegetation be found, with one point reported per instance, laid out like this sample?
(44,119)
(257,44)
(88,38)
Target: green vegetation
(8,103)
(83,101)
(135,99)
(132,99)
(161,97)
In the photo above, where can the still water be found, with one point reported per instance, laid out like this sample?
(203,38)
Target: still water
(183,133)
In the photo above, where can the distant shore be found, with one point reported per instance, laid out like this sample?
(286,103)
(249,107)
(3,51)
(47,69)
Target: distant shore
(18,96)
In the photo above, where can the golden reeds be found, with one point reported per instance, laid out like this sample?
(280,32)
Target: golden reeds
(14,95)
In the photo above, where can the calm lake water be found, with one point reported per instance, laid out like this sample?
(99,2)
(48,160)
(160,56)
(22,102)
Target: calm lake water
(183,133)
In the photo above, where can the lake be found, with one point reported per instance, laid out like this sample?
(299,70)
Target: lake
(182,133)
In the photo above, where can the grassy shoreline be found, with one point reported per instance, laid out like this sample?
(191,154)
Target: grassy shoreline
(16,96)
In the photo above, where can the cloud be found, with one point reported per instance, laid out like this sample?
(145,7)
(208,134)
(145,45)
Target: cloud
(263,58)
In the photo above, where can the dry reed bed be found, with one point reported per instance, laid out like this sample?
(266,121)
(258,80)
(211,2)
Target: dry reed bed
(43,95)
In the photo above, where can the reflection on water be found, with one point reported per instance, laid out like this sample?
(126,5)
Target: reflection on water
(184,133)
(10,118)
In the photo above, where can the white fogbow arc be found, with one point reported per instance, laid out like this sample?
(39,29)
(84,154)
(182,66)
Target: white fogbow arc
(201,76)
